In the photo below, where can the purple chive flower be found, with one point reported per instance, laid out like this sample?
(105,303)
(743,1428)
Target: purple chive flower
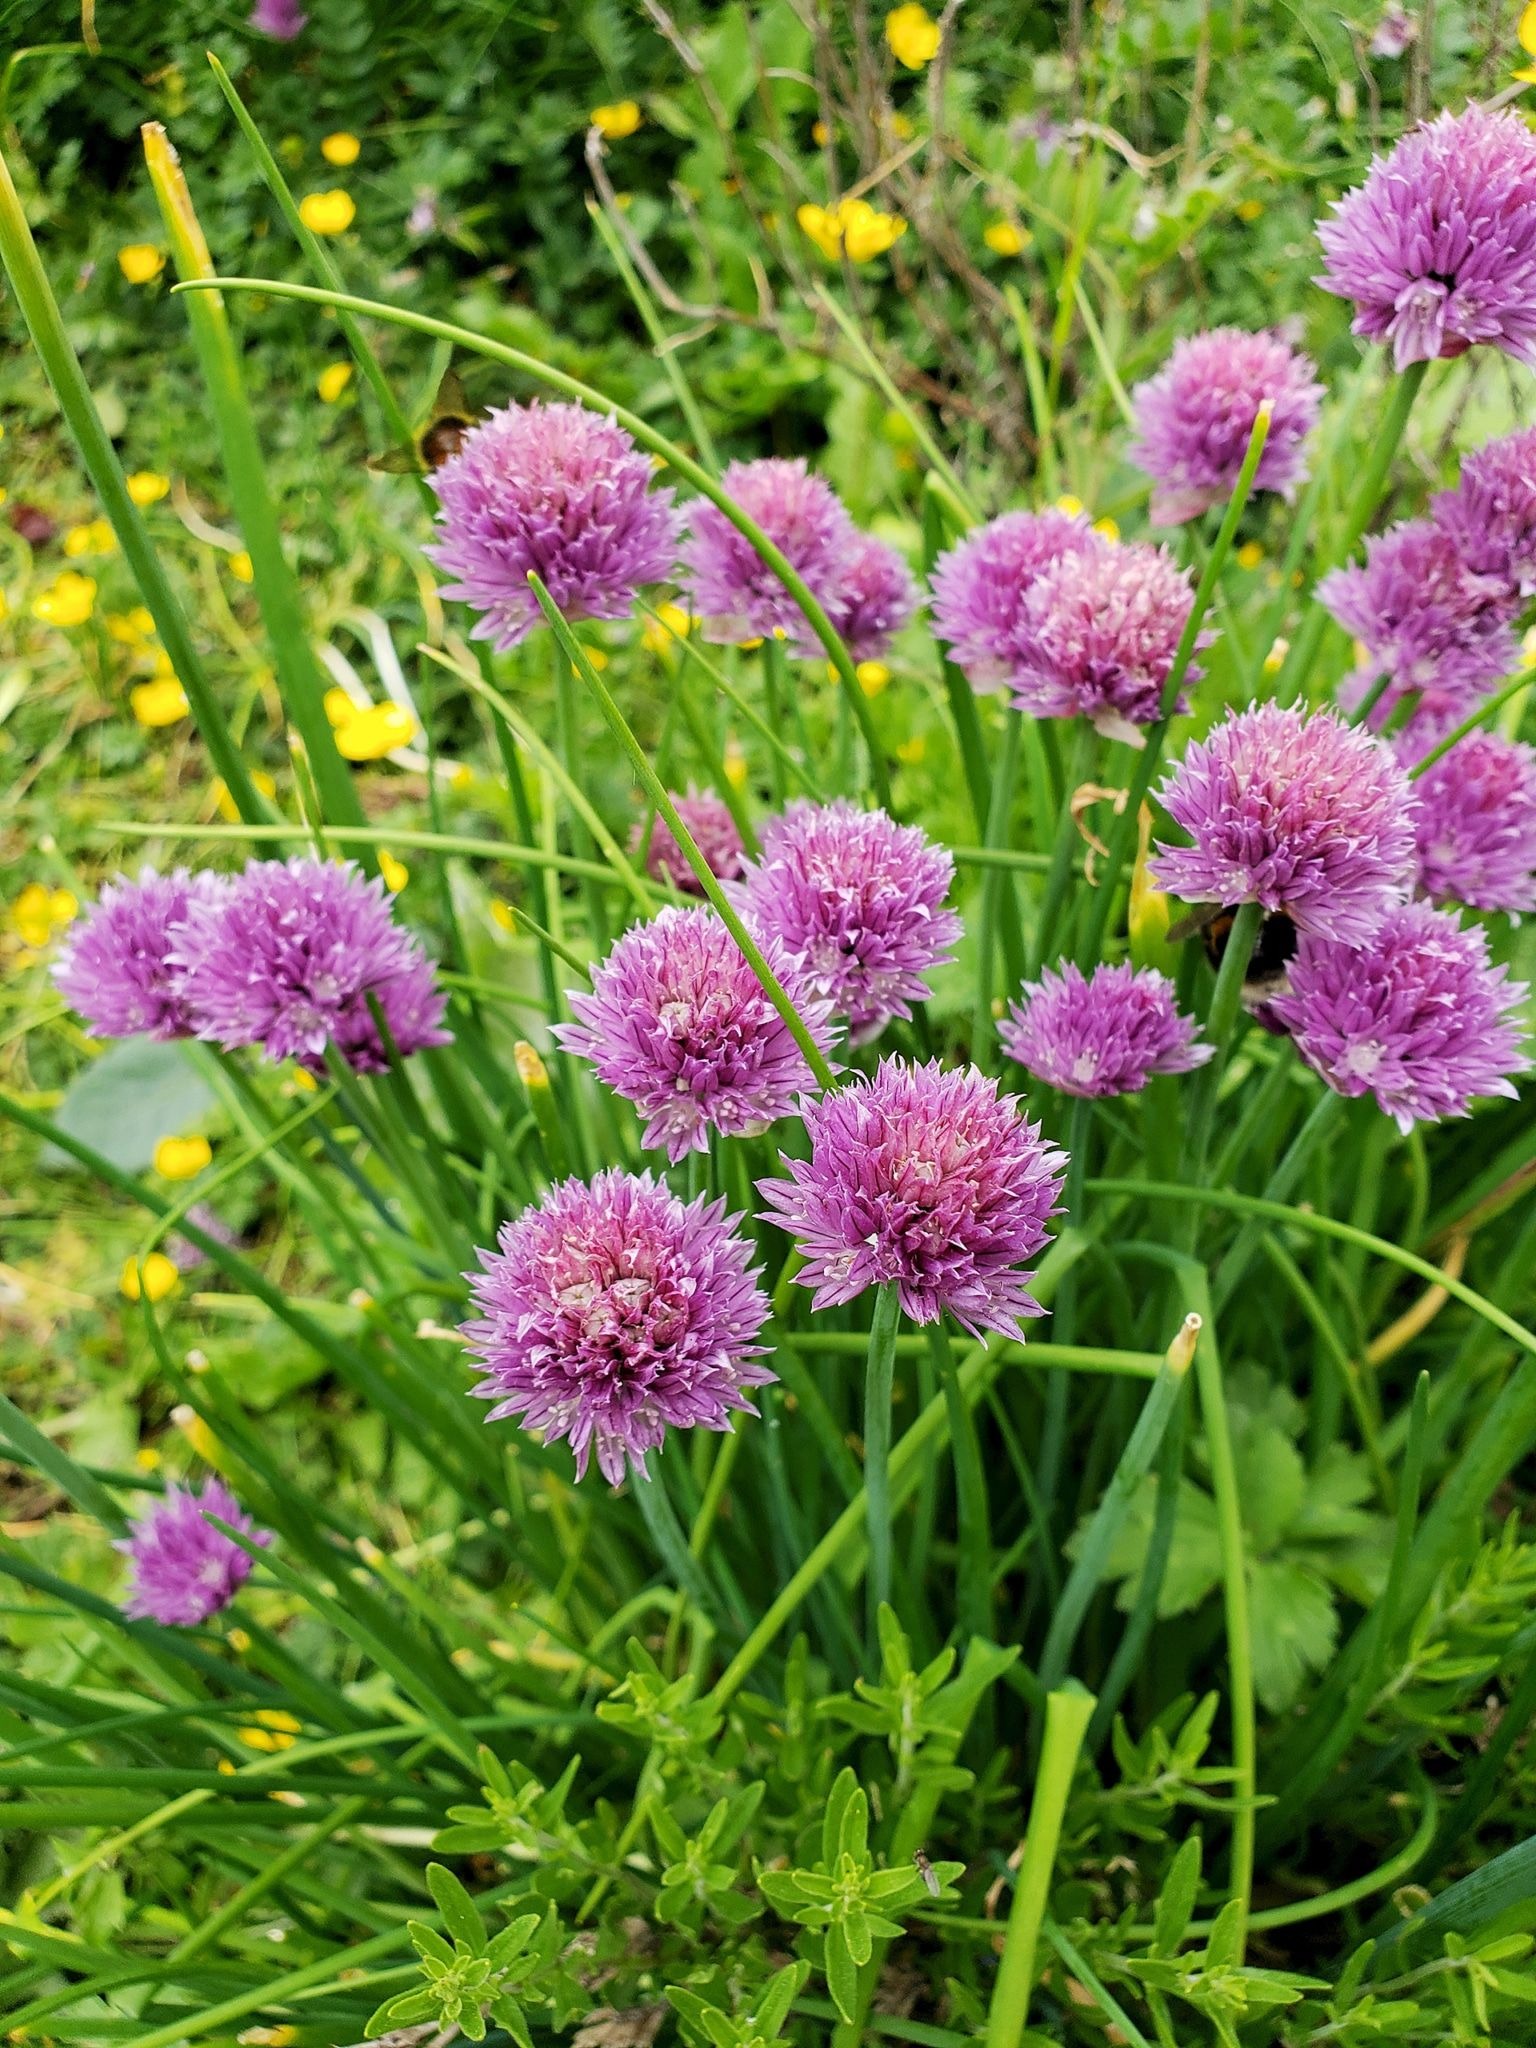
(1425,619)
(614,1311)
(858,902)
(562,491)
(729,585)
(1105,1036)
(1491,514)
(1419,1018)
(287,957)
(1195,418)
(978,591)
(1103,626)
(929,1179)
(714,833)
(184,1569)
(876,597)
(678,1024)
(1438,247)
(1306,815)
(1477,822)
(282,20)
(116,967)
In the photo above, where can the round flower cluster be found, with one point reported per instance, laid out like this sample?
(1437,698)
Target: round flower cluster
(1438,247)
(1491,514)
(1104,1035)
(713,831)
(557,491)
(1195,418)
(926,1179)
(1477,823)
(678,1024)
(614,1311)
(857,901)
(185,1569)
(1303,815)
(292,956)
(864,586)
(1419,1018)
(981,586)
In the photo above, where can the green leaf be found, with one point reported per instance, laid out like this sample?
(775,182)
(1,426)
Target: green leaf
(842,1975)
(138,1092)
(1225,1946)
(460,1916)
(1271,1481)
(1295,1628)
(1176,1906)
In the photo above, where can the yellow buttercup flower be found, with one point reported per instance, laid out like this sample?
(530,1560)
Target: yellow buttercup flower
(370,735)
(241,567)
(182,1158)
(912,751)
(340,149)
(94,538)
(147,1458)
(131,629)
(616,121)
(395,872)
(901,126)
(140,261)
(274,1729)
(1525,31)
(161,702)
(328,213)
(333,380)
(225,804)
(1068,504)
(160,1278)
(68,601)
(913,35)
(338,705)
(1004,239)
(670,623)
(39,912)
(501,915)
(1249,209)
(821,134)
(873,677)
(735,765)
(853,228)
(148,486)
(1108,529)
(1249,555)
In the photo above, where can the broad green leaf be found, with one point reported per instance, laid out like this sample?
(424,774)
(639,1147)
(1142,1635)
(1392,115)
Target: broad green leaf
(138,1092)
(1295,1627)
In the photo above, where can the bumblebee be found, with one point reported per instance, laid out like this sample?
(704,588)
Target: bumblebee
(442,436)
(1273,952)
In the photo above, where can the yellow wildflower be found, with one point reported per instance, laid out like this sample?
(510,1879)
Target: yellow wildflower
(68,601)
(1004,239)
(901,127)
(370,735)
(239,1641)
(182,1158)
(140,261)
(1249,209)
(821,134)
(1249,555)
(670,623)
(274,1729)
(328,213)
(39,912)
(1525,32)
(617,120)
(501,915)
(873,677)
(853,228)
(147,1458)
(1068,504)
(94,538)
(395,872)
(912,751)
(735,765)
(913,35)
(338,705)
(333,380)
(225,804)
(131,629)
(1528,648)
(340,149)
(160,1278)
(148,486)
(596,656)
(241,567)
(160,702)
(1108,528)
